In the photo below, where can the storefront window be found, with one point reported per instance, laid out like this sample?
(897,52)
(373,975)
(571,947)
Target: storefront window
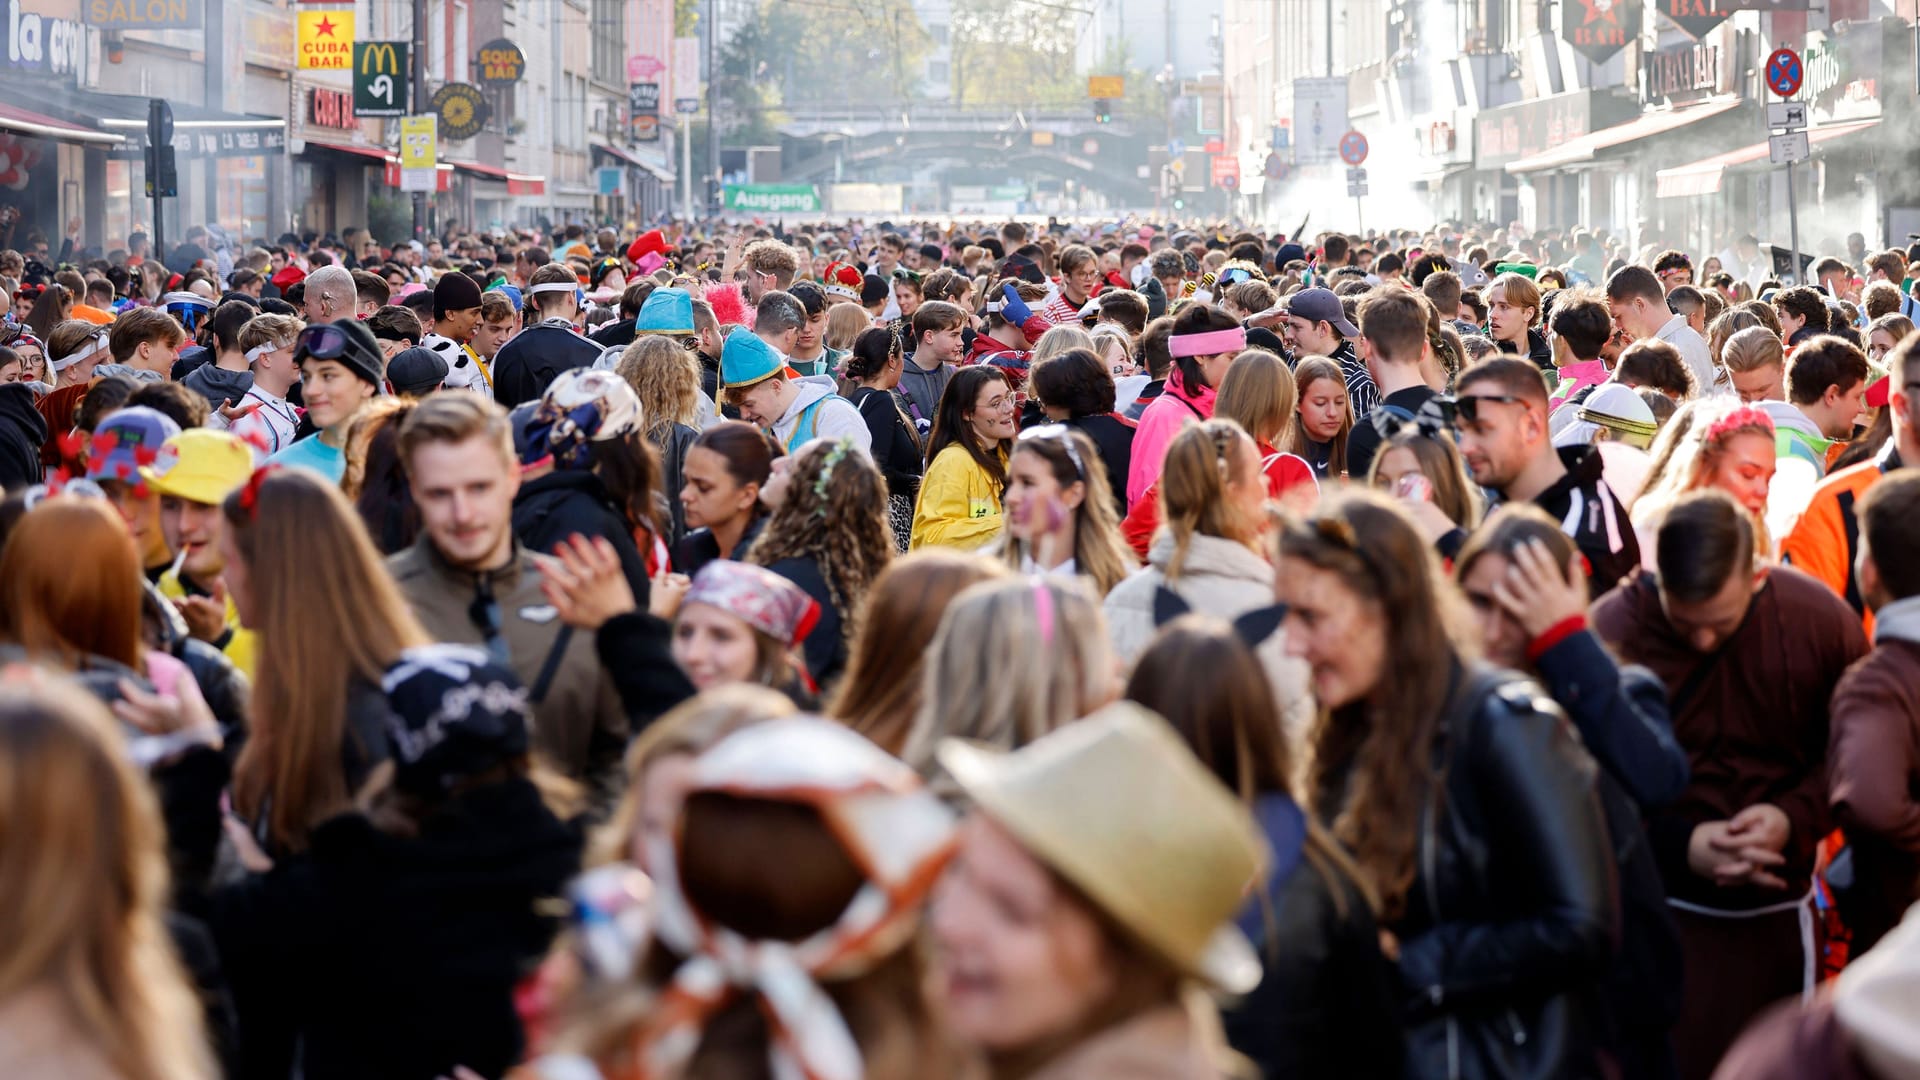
(243,196)
(123,211)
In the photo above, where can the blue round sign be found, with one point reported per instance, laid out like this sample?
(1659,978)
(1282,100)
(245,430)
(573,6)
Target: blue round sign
(1784,72)
(1353,148)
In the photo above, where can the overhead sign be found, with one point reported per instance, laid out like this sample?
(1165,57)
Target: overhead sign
(462,110)
(643,110)
(1679,71)
(1598,29)
(500,62)
(1106,86)
(1786,114)
(380,82)
(43,45)
(1784,72)
(1788,149)
(143,14)
(330,109)
(1353,148)
(1696,17)
(773,198)
(326,39)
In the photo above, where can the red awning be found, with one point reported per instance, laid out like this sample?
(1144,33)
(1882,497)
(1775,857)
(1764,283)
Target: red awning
(441,175)
(1703,177)
(1583,149)
(517,183)
(27,122)
(376,153)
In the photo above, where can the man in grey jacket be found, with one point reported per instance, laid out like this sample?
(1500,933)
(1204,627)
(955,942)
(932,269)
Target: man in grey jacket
(470,582)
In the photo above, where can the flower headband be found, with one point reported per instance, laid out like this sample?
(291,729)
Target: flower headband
(835,454)
(1743,417)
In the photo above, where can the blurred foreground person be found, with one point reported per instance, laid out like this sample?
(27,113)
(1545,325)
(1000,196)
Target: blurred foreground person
(1092,897)
(90,988)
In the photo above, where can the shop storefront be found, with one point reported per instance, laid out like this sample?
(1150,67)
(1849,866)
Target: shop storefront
(1530,129)
(1858,176)
(339,162)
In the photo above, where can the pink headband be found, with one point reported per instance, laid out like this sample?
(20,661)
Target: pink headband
(1208,344)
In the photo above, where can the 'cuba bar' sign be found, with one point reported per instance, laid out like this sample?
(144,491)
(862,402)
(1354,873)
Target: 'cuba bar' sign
(1599,29)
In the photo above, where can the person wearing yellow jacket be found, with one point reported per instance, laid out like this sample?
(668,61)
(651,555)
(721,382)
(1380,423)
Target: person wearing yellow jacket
(193,474)
(973,431)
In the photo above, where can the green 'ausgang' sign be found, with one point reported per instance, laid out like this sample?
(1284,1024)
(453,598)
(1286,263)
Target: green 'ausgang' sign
(773,198)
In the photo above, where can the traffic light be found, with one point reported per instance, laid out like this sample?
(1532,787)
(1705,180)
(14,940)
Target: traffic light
(1179,204)
(1103,111)
(162,176)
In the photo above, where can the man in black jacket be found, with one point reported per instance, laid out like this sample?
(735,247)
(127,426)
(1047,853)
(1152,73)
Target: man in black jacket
(22,430)
(536,356)
(1506,443)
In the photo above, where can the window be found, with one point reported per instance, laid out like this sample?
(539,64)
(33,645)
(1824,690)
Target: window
(937,72)
(609,37)
(461,53)
(436,47)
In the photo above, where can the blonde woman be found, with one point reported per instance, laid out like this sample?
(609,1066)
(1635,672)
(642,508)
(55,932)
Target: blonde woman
(844,323)
(666,379)
(1721,445)
(89,985)
(1209,552)
(1013,659)
(1060,339)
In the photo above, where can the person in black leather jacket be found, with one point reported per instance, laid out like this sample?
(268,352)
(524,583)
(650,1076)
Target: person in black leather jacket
(1466,799)
(1328,1002)
(1522,576)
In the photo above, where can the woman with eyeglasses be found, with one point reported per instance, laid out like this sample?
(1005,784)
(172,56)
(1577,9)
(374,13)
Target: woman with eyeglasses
(1209,553)
(973,430)
(1079,278)
(874,367)
(33,358)
(1464,797)
(1057,521)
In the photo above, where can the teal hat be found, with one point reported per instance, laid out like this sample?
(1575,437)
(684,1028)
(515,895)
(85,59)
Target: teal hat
(747,360)
(667,311)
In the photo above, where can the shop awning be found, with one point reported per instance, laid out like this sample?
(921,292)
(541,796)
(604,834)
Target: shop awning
(517,183)
(658,172)
(1587,147)
(27,122)
(377,154)
(1703,177)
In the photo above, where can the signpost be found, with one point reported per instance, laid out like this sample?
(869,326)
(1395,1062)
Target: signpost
(1784,75)
(1353,151)
(419,139)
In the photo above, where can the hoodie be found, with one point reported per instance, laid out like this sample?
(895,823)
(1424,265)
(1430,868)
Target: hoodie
(1591,515)
(218,385)
(1796,436)
(1162,419)
(818,412)
(22,432)
(920,391)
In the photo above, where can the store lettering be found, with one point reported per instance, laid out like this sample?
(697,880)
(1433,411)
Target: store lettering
(330,109)
(500,65)
(34,41)
(135,13)
(1677,71)
(1823,68)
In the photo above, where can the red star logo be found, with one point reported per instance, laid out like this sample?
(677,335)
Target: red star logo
(323,28)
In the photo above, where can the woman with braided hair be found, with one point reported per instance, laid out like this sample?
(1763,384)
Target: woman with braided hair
(828,534)
(879,355)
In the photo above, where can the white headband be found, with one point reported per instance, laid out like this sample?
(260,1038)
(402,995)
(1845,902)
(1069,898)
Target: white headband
(99,342)
(259,351)
(996,305)
(553,286)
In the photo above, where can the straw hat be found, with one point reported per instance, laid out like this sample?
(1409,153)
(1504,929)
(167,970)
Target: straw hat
(1118,805)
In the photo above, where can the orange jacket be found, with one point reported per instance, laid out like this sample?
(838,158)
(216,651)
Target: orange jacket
(1825,540)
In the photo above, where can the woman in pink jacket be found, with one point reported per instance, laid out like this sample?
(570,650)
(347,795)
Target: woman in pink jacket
(1205,340)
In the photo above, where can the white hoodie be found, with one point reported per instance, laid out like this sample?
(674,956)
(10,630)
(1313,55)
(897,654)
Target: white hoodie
(836,419)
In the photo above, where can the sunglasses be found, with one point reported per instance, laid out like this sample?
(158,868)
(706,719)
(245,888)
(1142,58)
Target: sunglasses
(322,342)
(1057,433)
(1468,407)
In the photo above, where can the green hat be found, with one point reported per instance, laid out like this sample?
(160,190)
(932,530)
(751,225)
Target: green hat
(747,360)
(666,311)
(1524,269)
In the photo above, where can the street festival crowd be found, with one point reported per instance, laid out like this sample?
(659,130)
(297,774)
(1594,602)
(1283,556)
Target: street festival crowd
(889,650)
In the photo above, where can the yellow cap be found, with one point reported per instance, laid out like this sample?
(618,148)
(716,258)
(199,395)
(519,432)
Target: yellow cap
(200,466)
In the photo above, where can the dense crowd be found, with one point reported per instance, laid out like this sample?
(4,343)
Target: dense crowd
(917,651)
